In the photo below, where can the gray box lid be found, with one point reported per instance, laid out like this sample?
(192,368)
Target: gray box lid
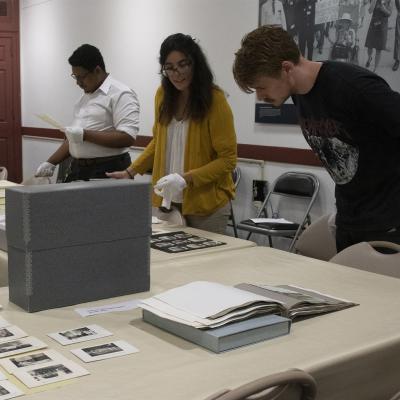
(77,213)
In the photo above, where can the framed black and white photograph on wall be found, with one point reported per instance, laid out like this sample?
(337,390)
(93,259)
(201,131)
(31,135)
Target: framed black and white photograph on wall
(361,32)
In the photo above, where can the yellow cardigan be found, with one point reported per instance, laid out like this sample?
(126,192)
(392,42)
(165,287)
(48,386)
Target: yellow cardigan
(210,156)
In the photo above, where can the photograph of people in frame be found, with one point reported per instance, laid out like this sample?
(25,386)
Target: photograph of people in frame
(361,32)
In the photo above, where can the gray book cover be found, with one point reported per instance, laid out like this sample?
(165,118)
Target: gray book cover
(226,337)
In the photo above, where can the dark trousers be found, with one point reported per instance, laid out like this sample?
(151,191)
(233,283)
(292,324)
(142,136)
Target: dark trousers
(306,40)
(396,52)
(96,168)
(346,238)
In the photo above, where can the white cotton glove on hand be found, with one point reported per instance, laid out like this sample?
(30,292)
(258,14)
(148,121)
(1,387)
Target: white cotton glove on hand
(74,134)
(45,169)
(170,188)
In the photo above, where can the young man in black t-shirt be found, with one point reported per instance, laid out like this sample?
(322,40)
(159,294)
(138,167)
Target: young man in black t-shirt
(349,116)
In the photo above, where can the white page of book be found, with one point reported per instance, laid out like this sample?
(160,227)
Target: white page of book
(207,299)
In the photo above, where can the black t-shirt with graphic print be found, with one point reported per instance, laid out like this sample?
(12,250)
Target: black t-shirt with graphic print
(351,120)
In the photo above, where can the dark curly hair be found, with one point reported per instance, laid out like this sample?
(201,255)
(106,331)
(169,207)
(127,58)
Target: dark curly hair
(202,80)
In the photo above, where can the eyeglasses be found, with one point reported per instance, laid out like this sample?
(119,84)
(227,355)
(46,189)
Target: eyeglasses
(80,78)
(181,68)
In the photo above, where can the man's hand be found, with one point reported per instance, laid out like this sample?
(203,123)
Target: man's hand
(120,175)
(45,169)
(74,134)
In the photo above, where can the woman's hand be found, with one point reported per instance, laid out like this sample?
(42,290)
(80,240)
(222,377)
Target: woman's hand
(119,175)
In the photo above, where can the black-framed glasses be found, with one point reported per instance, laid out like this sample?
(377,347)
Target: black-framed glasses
(181,68)
(80,78)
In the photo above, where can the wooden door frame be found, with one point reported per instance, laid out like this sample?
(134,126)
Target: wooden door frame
(11,31)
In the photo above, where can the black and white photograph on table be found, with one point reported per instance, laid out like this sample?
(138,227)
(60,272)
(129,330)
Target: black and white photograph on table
(361,32)
(50,373)
(30,360)
(178,242)
(11,332)
(104,351)
(80,334)
(19,346)
(9,391)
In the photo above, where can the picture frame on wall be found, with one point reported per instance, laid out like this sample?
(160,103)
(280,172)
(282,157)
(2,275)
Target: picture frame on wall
(361,32)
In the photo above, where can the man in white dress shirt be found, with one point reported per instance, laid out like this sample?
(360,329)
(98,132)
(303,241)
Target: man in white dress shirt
(105,122)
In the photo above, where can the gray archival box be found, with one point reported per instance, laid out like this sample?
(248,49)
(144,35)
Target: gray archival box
(77,242)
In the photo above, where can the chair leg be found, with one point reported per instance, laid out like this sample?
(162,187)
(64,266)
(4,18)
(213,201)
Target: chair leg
(270,241)
(233,220)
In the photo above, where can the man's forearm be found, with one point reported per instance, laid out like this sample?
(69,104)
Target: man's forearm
(114,139)
(60,154)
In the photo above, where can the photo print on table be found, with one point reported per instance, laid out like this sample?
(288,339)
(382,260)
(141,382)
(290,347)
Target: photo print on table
(4,322)
(31,360)
(82,334)
(11,332)
(56,372)
(19,346)
(9,391)
(178,242)
(104,351)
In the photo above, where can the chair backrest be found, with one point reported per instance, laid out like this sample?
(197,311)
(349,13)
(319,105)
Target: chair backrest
(365,256)
(293,184)
(317,240)
(396,396)
(236,175)
(3,173)
(296,184)
(287,385)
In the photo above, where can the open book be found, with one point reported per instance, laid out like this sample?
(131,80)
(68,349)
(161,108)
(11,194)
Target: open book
(204,304)
(295,301)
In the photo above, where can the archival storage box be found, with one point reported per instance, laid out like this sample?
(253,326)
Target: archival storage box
(77,242)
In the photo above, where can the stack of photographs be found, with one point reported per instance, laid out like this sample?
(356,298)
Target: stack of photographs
(178,242)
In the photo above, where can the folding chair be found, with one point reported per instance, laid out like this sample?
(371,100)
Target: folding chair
(297,186)
(364,256)
(232,222)
(287,385)
(318,240)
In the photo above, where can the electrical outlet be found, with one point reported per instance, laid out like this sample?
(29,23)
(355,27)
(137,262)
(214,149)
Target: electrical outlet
(260,190)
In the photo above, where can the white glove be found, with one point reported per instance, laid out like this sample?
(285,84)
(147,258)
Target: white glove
(74,134)
(170,187)
(45,169)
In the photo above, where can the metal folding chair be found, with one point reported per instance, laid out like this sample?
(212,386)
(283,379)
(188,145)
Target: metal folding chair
(296,186)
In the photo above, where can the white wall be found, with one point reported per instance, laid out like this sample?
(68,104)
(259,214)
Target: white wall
(129,34)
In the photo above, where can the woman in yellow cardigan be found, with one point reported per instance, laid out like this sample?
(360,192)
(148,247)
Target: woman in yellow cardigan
(193,150)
